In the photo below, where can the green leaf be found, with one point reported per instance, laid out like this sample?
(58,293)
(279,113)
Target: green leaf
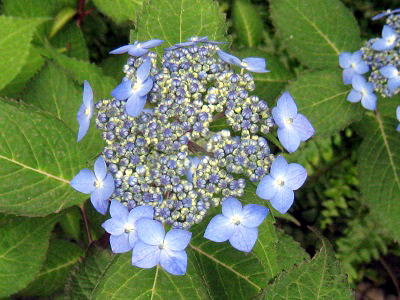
(70,223)
(317,279)
(38,156)
(119,10)
(70,38)
(35,8)
(321,97)
(379,169)
(23,247)
(315,31)
(15,37)
(174,21)
(61,257)
(112,66)
(247,23)
(62,18)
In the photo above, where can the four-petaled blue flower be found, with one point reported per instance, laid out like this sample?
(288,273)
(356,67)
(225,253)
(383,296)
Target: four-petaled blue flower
(136,93)
(388,40)
(237,224)
(293,127)
(362,91)
(85,112)
(279,184)
(194,163)
(122,225)
(137,49)
(352,63)
(99,184)
(252,64)
(398,117)
(155,247)
(393,76)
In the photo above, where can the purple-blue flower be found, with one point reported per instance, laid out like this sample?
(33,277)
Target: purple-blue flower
(388,40)
(85,112)
(392,74)
(194,162)
(279,184)
(237,224)
(398,117)
(99,184)
(122,225)
(362,91)
(293,127)
(252,64)
(136,92)
(155,247)
(137,49)
(352,63)
(385,14)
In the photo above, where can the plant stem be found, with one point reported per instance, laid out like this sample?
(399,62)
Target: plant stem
(86,221)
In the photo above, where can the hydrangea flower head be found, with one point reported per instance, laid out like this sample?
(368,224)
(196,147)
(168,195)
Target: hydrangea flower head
(252,64)
(362,91)
(99,184)
(293,127)
(155,247)
(85,112)
(352,63)
(122,225)
(388,40)
(237,224)
(279,184)
(392,74)
(137,49)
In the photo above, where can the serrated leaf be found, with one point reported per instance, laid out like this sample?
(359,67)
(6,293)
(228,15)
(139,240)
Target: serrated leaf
(119,10)
(317,279)
(379,169)
(23,246)
(112,66)
(315,31)
(247,23)
(70,223)
(15,37)
(35,8)
(174,21)
(321,97)
(38,156)
(61,257)
(70,38)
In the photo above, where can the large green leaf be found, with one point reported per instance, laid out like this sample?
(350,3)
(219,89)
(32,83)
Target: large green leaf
(35,8)
(23,247)
(70,39)
(317,279)
(174,21)
(315,31)
(38,156)
(119,10)
(321,97)
(15,37)
(379,169)
(61,257)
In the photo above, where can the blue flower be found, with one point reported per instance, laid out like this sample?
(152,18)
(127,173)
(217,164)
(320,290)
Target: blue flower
(99,184)
(352,64)
(194,162)
(398,117)
(155,247)
(193,41)
(392,74)
(364,91)
(385,14)
(137,49)
(237,224)
(279,184)
(85,112)
(136,93)
(293,127)
(252,64)
(122,225)
(388,40)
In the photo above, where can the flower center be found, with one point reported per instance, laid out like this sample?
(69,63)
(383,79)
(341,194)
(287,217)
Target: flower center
(138,45)
(236,219)
(288,121)
(353,65)
(391,40)
(128,228)
(87,111)
(280,182)
(137,85)
(99,184)
(244,64)
(161,246)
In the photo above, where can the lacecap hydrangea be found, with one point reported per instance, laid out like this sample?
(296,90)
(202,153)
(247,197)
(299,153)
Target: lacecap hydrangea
(166,163)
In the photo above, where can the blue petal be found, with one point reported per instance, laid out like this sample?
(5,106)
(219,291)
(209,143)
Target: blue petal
(120,243)
(231,207)
(398,112)
(135,105)
(279,167)
(254,215)
(295,176)
(122,49)
(219,229)
(380,45)
(83,121)
(177,239)
(398,128)
(356,57)
(145,256)
(194,163)
(389,71)
(244,239)
(100,168)
(150,231)
(151,43)
(84,181)
(354,96)
(361,67)
(140,212)
(348,75)
(99,197)
(266,189)
(289,139)
(174,262)
(146,87)
(369,101)
(228,58)
(87,94)
(118,211)
(394,83)
(133,238)
(144,70)
(114,226)
(285,108)
(123,91)
(283,200)
(345,60)
(303,127)
(388,32)
(255,64)
(137,51)
(358,82)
